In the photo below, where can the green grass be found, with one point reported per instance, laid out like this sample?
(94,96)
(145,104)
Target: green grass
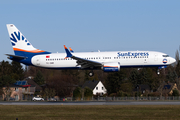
(60,112)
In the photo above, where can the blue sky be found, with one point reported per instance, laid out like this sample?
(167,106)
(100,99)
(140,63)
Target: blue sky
(92,25)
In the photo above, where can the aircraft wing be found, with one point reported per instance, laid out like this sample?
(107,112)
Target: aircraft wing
(86,63)
(81,61)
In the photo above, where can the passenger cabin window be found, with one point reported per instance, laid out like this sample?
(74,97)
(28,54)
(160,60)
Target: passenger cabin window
(165,55)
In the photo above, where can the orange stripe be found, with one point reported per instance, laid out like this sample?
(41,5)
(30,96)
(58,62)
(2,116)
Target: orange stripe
(110,66)
(70,49)
(65,47)
(32,51)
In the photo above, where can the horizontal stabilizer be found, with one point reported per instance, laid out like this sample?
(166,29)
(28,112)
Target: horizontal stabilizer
(15,57)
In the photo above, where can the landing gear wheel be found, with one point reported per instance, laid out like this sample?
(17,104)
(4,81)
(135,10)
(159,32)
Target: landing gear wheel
(158,72)
(91,74)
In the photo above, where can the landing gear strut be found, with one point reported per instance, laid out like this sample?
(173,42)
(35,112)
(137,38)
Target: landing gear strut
(91,73)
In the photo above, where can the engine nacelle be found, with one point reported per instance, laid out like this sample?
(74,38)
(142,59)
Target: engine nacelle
(111,67)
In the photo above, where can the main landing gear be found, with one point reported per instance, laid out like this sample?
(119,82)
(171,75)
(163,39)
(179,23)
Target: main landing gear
(91,73)
(159,68)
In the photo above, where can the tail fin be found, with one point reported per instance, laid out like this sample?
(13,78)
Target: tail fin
(20,44)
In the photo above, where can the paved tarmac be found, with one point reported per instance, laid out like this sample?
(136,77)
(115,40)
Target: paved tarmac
(95,103)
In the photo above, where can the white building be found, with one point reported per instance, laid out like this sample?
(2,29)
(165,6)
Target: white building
(96,86)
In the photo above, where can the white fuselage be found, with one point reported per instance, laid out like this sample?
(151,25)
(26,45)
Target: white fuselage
(125,58)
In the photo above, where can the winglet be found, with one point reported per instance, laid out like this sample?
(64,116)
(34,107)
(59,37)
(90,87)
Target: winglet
(67,52)
(71,49)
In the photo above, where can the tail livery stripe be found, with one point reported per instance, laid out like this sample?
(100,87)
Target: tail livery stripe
(31,51)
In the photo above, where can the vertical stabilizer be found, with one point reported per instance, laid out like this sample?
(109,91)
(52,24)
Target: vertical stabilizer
(19,42)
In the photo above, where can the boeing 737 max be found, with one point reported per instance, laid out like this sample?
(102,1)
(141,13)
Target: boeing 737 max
(107,61)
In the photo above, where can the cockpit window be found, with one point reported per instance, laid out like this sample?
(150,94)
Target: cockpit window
(165,55)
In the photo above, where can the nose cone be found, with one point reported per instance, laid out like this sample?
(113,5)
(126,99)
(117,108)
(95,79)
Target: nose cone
(172,60)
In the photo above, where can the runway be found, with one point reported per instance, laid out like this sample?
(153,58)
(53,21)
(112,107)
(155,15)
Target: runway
(95,103)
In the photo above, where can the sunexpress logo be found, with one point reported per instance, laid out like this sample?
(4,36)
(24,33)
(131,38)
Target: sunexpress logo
(18,37)
(164,61)
(131,54)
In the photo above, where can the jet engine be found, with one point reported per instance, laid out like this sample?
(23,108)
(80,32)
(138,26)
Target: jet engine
(111,67)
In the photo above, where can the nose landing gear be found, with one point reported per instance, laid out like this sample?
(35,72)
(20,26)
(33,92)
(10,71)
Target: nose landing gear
(158,72)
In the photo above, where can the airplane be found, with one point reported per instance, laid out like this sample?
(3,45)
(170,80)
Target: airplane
(107,61)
